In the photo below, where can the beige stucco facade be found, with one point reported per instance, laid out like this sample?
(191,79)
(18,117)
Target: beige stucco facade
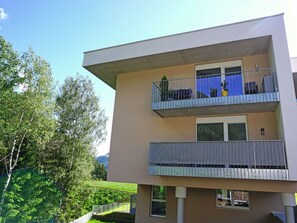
(135,125)
(132,68)
(200,206)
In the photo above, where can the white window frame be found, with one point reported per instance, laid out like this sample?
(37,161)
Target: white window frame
(157,200)
(232,201)
(225,120)
(222,65)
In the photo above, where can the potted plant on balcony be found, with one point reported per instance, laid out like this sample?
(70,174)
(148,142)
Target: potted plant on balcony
(164,88)
(213,92)
(224,88)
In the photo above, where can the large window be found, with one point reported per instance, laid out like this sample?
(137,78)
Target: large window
(209,78)
(233,199)
(158,201)
(229,128)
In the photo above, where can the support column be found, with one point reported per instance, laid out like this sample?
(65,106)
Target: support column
(180,194)
(288,200)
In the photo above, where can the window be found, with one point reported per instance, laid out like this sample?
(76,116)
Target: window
(228,128)
(210,76)
(210,132)
(236,131)
(233,199)
(158,201)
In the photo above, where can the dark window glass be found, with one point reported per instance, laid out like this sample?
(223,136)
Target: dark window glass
(236,131)
(208,72)
(158,205)
(158,208)
(231,70)
(210,132)
(159,192)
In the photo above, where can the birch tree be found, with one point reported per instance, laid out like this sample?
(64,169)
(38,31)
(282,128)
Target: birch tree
(26,107)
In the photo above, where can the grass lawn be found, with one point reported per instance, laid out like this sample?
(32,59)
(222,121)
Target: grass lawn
(97,221)
(130,188)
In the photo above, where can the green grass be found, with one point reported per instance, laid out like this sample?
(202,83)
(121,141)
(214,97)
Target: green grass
(97,221)
(127,187)
(124,208)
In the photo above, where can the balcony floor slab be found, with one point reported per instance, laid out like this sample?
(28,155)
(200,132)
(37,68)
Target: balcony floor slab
(230,173)
(265,102)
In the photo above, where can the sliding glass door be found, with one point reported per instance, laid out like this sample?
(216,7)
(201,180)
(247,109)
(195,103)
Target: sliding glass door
(210,79)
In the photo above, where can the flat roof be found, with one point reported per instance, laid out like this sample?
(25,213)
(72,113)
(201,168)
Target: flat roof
(233,40)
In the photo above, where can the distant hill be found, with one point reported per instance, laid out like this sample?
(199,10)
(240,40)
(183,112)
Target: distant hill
(104,160)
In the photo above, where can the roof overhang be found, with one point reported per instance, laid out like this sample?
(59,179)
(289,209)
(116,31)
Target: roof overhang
(229,41)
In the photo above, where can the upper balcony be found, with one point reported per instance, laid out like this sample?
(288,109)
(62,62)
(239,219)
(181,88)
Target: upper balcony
(210,93)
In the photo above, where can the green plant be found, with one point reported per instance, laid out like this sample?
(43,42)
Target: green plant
(80,200)
(213,92)
(164,88)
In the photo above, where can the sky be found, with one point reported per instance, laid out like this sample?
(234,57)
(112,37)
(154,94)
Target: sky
(61,30)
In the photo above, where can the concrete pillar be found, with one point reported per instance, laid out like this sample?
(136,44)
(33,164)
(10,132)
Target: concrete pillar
(288,200)
(180,194)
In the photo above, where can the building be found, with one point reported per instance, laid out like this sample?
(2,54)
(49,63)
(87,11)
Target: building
(215,139)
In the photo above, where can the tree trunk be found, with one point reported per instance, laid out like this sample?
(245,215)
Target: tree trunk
(4,191)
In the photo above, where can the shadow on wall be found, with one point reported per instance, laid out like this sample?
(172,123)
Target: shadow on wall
(279,217)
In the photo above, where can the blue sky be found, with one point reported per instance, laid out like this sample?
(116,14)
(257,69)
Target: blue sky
(61,30)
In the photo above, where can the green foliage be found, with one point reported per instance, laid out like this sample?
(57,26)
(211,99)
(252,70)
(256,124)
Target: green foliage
(80,124)
(26,98)
(9,66)
(53,133)
(26,111)
(80,200)
(70,153)
(30,197)
(78,110)
(127,187)
(99,172)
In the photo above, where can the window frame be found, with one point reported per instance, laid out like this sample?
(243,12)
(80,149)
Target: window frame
(225,120)
(232,201)
(158,200)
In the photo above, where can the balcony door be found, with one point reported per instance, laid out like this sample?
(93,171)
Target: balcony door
(210,76)
(231,128)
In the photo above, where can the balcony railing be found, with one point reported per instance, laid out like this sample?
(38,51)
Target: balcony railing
(264,160)
(235,88)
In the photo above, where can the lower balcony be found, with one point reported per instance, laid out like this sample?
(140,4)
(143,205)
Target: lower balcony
(259,160)
(213,93)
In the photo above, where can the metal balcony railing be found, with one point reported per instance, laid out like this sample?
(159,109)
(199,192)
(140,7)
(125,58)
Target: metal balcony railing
(241,87)
(231,159)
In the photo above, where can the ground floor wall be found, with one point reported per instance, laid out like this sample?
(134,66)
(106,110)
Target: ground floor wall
(200,206)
